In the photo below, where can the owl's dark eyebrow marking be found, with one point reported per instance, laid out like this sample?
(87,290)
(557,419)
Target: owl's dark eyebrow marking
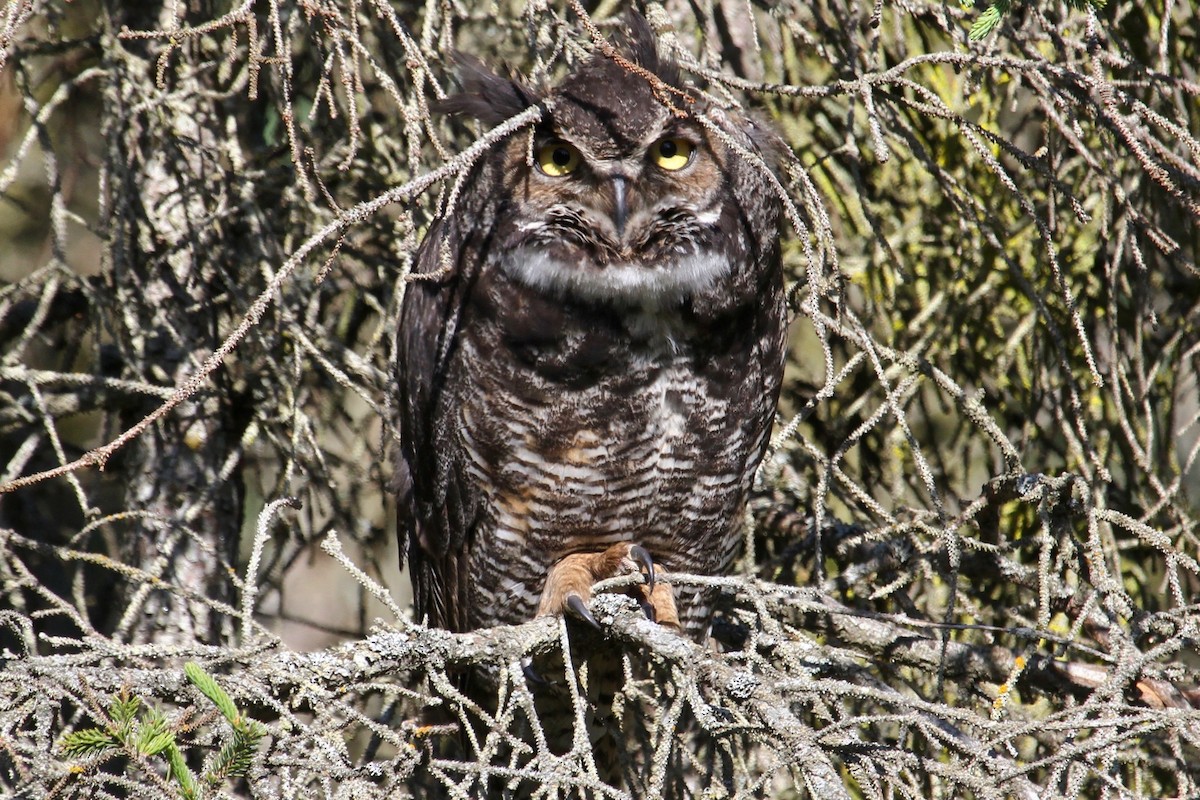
(609,122)
(681,130)
(547,132)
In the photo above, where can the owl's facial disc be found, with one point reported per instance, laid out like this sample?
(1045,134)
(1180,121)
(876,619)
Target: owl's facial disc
(624,193)
(618,245)
(617,220)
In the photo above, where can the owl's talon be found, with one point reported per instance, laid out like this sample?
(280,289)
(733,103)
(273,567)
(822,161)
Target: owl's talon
(575,603)
(531,674)
(568,586)
(645,564)
(660,605)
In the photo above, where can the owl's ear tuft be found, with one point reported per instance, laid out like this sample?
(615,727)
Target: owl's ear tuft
(486,96)
(770,145)
(637,40)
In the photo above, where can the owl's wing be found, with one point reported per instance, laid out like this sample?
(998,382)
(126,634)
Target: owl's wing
(435,506)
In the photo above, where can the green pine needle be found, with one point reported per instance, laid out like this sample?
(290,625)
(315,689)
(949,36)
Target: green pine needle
(124,711)
(989,20)
(87,742)
(208,686)
(155,735)
(995,13)
(181,773)
(232,761)
(236,756)
(246,740)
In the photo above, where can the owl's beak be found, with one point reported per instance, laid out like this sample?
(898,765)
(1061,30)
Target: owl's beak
(620,205)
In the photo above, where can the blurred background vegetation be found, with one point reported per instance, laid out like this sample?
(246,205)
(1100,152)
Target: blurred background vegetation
(989,430)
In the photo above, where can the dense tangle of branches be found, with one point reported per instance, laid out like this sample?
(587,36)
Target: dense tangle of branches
(972,570)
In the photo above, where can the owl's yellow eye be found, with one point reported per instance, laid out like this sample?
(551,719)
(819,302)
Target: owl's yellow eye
(672,153)
(557,158)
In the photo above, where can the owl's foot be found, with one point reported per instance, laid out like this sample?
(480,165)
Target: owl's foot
(569,584)
(659,605)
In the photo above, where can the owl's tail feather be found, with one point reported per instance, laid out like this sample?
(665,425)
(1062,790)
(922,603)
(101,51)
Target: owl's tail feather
(580,709)
(592,703)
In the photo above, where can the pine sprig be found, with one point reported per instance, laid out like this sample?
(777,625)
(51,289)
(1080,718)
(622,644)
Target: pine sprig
(87,743)
(146,731)
(122,718)
(154,735)
(180,772)
(989,19)
(235,757)
(994,14)
(207,684)
(123,711)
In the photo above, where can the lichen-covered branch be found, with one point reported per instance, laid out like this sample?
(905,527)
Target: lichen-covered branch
(972,568)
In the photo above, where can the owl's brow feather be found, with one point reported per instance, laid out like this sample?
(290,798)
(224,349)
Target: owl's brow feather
(661,89)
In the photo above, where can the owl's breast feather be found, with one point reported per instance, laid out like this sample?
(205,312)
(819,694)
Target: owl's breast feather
(631,283)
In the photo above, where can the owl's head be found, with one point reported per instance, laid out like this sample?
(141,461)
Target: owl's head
(618,196)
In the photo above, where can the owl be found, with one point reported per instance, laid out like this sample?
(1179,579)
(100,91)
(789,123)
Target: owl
(589,361)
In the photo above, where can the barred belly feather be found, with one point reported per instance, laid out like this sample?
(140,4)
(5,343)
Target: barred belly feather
(643,449)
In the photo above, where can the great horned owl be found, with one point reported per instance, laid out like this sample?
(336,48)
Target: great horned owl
(591,384)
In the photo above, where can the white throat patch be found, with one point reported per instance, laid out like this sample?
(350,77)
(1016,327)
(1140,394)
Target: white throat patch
(627,283)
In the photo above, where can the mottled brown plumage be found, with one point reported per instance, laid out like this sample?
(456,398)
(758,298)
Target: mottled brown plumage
(601,363)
